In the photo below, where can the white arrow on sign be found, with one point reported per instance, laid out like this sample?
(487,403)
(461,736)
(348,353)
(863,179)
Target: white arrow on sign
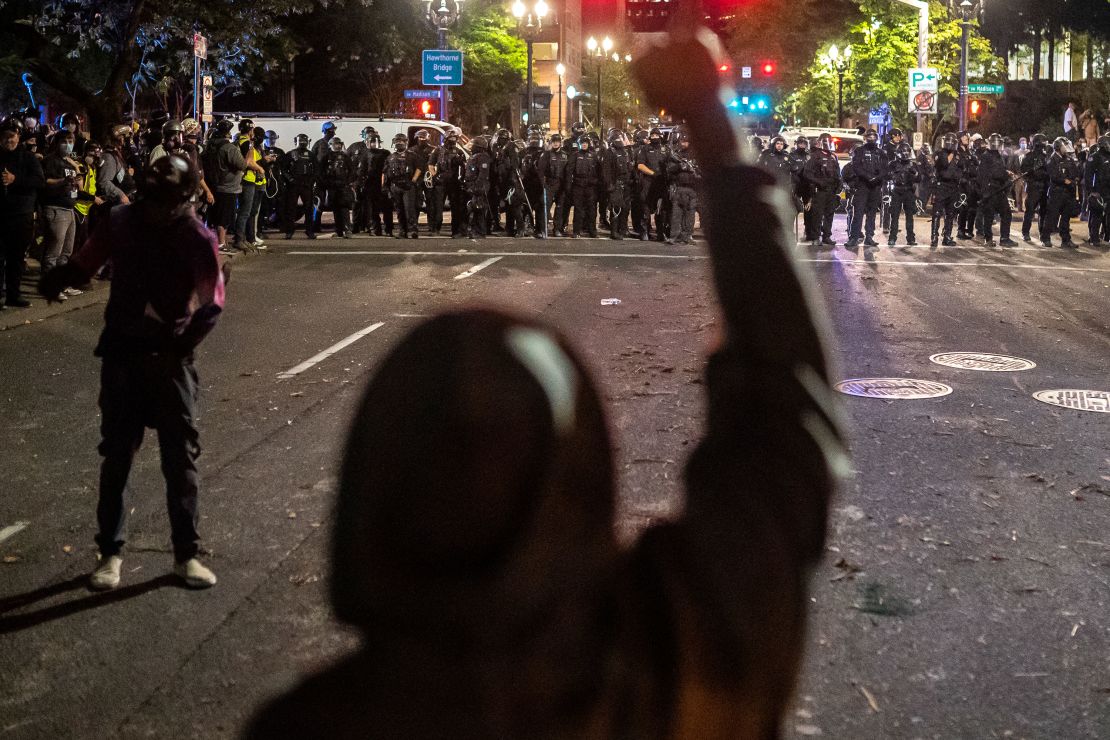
(437,78)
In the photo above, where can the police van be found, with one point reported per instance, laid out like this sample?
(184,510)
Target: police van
(347,128)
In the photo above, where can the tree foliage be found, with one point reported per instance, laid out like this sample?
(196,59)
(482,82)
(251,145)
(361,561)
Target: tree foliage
(95,51)
(883,38)
(496,61)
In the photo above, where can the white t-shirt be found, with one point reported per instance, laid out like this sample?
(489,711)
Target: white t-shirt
(1070,121)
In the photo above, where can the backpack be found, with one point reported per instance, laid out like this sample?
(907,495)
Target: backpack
(215,164)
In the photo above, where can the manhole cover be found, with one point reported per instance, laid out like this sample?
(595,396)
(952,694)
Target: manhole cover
(1075,399)
(983,361)
(894,388)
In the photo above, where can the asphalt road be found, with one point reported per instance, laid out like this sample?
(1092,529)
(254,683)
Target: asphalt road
(967,582)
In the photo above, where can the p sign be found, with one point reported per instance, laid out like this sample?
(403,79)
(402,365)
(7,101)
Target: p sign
(923,78)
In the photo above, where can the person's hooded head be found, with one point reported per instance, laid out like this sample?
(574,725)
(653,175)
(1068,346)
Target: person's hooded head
(477,493)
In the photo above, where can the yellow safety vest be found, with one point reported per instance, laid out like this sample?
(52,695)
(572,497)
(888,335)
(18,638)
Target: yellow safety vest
(83,206)
(255,157)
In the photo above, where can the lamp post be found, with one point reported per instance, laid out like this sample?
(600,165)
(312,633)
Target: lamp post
(442,18)
(838,61)
(967,10)
(601,50)
(560,70)
(529,22)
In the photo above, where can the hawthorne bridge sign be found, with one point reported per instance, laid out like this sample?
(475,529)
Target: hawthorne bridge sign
(442,67)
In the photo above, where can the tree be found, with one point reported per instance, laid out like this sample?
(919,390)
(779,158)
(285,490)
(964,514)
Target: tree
(95,51)
(496,62)
(883,38)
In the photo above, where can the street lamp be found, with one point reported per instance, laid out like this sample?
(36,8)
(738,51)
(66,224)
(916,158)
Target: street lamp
(601,51)
(529,23)
(441,18)
(838,61)
(560,70)
(967,11)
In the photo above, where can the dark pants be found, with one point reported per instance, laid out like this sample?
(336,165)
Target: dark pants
(585,209)
(298,195)
(620,202)
(339,198)
(653,200)
(16,233)
(557,197)
(434,203)
(246,210)
(818,219)
(996,205)
(684,204)
(1061,207)
(450,192)
(1098,222)
(867,200)
(537,213)
(965,220)
(402,203)
(381,205)
(159,392)
(944,206)
(478,216)
(1035,193)
(902,202)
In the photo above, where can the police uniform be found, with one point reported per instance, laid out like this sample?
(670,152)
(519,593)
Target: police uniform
(617,169)
(299,170)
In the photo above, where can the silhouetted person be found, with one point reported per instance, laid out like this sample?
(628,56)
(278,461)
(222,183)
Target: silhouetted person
(474,546)
(167,292)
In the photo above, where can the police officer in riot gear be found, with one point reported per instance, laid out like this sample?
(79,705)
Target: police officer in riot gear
(869,174)
(423,191)
(476,181)
(684,177)
(968,158)
(338,177)
(1098,185)
(994,192)
(798,157)
(617,174)
(359,152)
(946,164)
(821,183)
(509,185)
(299,169)
(533,183)
(447,164)
(397,178)
(904,176)
(639,143)
(1063,201)
(552,169)
(651,166)
(583,176)
(776,159)
(1034,169)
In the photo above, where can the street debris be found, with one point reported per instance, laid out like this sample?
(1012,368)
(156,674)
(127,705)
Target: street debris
(610,301)
(875,599)
(871,701)
(847,570)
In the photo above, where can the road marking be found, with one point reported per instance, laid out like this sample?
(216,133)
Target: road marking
(503,254)
(476,268)
(594,255)
(315,359)
(12,529)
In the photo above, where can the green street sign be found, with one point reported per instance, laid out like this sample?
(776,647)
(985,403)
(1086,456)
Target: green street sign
(982,89)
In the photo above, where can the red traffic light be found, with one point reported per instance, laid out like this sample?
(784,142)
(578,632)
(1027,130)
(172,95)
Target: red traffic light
(724,68)
(975,108)
(425,107)
(768,68)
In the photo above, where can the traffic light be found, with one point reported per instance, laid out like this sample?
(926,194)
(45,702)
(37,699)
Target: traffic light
(724,68)
(976,108)
(768,68)
(425,107)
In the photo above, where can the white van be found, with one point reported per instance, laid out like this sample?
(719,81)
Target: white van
(347,128)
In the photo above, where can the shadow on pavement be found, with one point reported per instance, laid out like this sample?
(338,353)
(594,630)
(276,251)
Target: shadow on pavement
(18,622)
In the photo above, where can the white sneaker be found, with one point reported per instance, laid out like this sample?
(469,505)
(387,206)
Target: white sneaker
(73,291)
(195,574)
(106,575)
(259,244)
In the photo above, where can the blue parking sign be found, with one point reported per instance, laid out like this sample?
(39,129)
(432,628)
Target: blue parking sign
(443,67)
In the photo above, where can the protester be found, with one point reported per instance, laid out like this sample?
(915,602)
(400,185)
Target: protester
(21,177)
(474,547)
(61,172)
(224,167)
(167,292)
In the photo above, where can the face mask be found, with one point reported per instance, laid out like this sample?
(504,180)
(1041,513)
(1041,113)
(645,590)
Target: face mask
(67,149)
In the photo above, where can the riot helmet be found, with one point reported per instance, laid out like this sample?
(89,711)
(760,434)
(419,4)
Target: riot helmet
(801,143)
(995,142)
(778,144)
(655,137)
(422,136)
(826,143)
(556,142)
(896,135)
(301,140)
(328,129)
(640,136)
(1063,147)
(1104,143)
(169,128)
(871,138)
(904,153)
(271,138)
(950,142)
(335,144)
(480,144)
(224,126)
(169,181)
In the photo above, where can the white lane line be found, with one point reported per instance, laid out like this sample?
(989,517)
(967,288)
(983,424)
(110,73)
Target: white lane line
(293,371)
(594,255)
(910,263)
(12,529)
(476,268)
(505,254)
